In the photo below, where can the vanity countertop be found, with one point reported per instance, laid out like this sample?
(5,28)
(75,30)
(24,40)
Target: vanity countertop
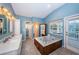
(11,45)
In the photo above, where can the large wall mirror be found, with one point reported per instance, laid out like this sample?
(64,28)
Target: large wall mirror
(4,25)
(56,28)
(42,29)
(1,26)
(6,22)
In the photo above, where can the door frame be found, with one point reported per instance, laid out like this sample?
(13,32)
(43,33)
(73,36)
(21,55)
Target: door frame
(65,27)
(30,23)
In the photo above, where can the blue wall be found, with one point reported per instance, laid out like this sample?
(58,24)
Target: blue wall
(23,19)
(60,13)
(63,11)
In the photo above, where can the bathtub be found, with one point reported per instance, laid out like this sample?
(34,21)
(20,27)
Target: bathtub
(47,40)
(47,44)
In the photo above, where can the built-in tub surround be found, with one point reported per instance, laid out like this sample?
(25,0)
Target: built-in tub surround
(47,44)
(47,40)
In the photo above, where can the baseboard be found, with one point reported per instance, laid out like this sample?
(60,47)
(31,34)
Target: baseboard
(73,49)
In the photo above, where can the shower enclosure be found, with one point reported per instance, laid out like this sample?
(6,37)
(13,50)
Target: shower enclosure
(71,30)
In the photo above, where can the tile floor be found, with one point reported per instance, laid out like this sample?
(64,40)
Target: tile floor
(28,48)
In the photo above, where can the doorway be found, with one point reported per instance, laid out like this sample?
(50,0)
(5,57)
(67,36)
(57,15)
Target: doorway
(28,27)
(71,33)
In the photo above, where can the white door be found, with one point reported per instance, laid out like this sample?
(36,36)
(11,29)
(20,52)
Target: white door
(11,26)
(30,30)
(71,33)
(17,26)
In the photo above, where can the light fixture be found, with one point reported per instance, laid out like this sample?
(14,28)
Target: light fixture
(13,17)
(5,11)
(36,25)
(48,5)
(8,13)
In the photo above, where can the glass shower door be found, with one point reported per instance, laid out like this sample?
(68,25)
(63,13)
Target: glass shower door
(72,34)
(74,30)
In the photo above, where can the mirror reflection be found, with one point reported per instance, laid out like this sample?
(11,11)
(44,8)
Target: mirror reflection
(1,26)
(74,29)
(56,28)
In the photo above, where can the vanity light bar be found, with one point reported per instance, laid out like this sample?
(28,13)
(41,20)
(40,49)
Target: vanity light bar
(6,12)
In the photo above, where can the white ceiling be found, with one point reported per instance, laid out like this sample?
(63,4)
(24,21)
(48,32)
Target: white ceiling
(39,10)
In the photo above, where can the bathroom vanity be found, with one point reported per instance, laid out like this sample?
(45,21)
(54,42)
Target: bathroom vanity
(46,44)
(12,46)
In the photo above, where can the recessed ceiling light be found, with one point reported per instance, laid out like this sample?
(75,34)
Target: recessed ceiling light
(48,5)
